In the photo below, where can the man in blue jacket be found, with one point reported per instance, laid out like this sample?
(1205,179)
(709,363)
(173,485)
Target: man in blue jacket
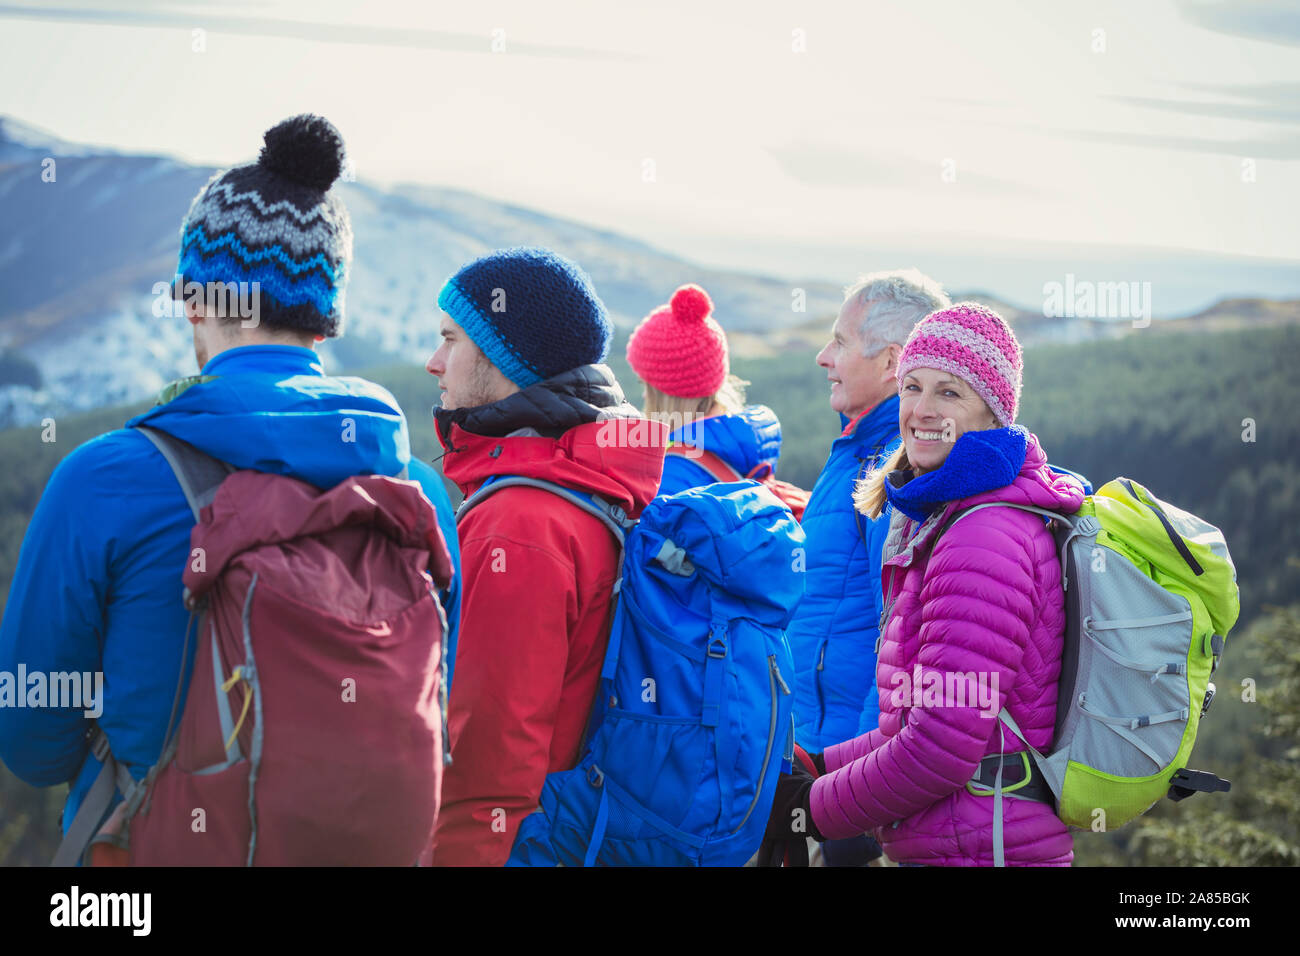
(834,631)
(98,583)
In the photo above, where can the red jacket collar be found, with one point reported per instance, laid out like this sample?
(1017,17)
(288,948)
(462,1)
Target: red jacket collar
(853,422)
(620,459)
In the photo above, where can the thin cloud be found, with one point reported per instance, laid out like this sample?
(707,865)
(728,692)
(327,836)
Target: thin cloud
(1238,111)
(1287,147)
(824,166)
(349,33)
(1274,21)
(1271,93)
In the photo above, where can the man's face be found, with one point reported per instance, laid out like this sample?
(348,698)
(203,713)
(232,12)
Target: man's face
(857,382)
(465,376)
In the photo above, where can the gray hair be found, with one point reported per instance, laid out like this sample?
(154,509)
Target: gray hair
(900,298)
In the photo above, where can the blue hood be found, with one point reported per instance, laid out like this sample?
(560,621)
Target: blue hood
(744,441)
(235,411)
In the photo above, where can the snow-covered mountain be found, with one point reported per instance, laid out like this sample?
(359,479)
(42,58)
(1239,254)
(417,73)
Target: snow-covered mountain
(87,233)
(85,238)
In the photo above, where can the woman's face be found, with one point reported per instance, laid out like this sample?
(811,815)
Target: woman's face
(935,409)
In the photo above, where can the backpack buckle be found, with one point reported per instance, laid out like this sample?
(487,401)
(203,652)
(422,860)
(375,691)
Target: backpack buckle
(99,744)
(192,603)
(718,642)
(981,784)
(595,776)
(1186,782)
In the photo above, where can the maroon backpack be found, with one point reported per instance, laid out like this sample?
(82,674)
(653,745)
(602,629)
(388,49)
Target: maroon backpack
(313,729)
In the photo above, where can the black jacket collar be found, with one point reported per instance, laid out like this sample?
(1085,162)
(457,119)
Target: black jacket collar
(579,396)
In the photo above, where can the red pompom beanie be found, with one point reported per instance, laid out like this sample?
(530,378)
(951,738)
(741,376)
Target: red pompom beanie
(679,348)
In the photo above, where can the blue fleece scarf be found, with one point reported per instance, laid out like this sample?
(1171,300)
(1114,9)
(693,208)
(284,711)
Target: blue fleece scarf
(979,461)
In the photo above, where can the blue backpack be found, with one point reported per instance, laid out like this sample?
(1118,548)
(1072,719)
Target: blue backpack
(692,723)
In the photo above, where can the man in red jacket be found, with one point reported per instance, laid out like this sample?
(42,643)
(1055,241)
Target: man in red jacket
(524,394)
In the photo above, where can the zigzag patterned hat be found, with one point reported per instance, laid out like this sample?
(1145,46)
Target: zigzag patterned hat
(973,342)
(276,222)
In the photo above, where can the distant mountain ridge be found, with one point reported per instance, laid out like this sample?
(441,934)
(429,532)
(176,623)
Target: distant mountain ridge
(80,256)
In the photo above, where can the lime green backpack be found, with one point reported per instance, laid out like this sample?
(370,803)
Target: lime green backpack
(1150,595)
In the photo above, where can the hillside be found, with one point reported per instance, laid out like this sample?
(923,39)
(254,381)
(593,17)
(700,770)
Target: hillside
(1165,409)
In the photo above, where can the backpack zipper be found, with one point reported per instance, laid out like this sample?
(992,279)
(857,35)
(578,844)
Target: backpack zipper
(1174,537)
(817,682)
(444,692)
(773,678)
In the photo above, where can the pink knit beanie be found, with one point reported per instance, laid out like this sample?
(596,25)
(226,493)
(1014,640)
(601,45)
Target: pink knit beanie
(679,348)
(974,343)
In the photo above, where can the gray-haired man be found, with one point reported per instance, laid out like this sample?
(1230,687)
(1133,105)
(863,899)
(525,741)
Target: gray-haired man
(833,634)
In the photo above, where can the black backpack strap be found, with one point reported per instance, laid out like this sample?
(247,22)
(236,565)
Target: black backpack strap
(199,474)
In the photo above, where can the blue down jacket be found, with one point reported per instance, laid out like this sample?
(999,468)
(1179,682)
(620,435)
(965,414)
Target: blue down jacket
(98,582)
(833,634)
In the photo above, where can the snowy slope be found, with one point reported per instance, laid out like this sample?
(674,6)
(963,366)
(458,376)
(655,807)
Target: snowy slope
(81,255)
(79,258)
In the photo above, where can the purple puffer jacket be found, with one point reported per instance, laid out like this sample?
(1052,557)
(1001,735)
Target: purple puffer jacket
(988,600)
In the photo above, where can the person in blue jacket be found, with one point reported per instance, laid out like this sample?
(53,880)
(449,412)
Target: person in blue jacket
(98,583)
(834,630)
(680,354)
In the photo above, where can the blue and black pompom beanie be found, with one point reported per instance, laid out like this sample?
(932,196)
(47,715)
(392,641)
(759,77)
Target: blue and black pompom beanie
(276,222)
(534,314)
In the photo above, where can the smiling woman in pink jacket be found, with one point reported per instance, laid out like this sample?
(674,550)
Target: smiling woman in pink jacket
(974,620)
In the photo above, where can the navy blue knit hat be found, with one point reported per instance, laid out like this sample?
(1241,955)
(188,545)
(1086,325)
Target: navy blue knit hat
(534,314)
(276,223)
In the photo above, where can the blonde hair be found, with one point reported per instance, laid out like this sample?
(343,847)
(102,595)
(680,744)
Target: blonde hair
(730,397)
(869,495)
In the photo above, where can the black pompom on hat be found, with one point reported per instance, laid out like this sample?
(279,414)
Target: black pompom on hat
(306,149)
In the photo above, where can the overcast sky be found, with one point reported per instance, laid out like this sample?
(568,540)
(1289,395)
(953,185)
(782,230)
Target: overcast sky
(1113,122)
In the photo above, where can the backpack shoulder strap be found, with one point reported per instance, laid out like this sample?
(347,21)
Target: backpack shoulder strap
(707,460)
(611,515)
(112,778)
(199,474)
(958,515)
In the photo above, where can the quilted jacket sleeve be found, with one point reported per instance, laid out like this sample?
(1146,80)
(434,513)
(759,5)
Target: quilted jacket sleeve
(977,609)
(841,755)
